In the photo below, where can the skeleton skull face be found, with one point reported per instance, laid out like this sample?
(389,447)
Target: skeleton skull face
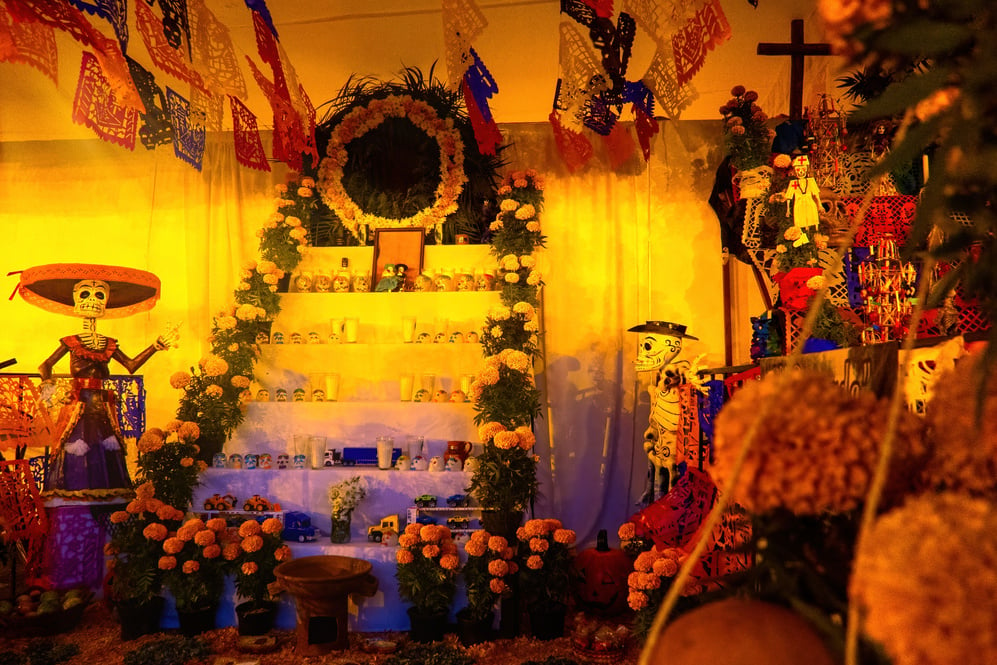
(90,298)
(656,351)
(801,165)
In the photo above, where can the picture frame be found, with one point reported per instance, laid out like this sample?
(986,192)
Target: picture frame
(393,247)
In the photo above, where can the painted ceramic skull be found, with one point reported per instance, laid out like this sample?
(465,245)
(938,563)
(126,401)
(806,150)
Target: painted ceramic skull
(283,461)
(657,350)
(90,298)
(341,283)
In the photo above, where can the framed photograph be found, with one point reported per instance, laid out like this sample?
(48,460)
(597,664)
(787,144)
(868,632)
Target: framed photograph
(398,255)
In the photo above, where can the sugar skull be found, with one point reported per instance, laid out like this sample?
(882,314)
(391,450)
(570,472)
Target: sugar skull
(323,282)
(471,337)
(423,282)
(318,395)
(218,461)
(420,463)
(281,395)
(484,281)
(277,337)
(300,461)
(250,461)
(303,281)
(458,396)
(299,395)
(90,298)
(421,395)
(453,464)
(296,338)
(235,461)
(314,338)
(441,396)
(266,461)
(262,395)
(456,338)
(403,463)
(440,338)
(443,282)
(424,338)
(464,282)
(361,282)
(436,464)
(283,461)
(341,282)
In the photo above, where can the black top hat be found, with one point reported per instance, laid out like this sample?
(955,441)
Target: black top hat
(662,328)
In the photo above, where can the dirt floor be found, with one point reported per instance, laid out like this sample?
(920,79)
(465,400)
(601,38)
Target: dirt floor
(98,638)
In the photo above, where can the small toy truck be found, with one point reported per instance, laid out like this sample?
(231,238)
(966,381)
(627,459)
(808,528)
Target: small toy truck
(388,525)
(257,503)
(298,526)
(458,500)
(219,502)
(425,501)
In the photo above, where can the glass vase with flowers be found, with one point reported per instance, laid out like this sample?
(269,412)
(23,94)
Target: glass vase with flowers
(344,497)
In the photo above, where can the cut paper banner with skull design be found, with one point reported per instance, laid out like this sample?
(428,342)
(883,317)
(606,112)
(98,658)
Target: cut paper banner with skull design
(660,345)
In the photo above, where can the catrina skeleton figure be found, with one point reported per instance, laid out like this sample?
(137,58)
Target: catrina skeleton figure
(660,344)
(89,452)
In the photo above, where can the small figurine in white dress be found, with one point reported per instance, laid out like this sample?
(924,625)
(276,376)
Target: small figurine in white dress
(803,200)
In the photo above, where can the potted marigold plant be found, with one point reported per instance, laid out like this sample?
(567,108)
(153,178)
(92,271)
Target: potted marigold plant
(137,535)
(167,458)
(505,481)
(194,565)
(427,578)
(487,573)
(261,549)
(545,557)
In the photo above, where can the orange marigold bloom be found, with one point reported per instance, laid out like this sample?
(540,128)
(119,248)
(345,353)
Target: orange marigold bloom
(119,517)
(187,461)
(665,567)
(252,544)
(412,529)
(497,543)
(534,562)
(283,553)
(521,534)
(506,440)
(507,554)
(231,551)
(167,562)
(637,600)
(189,431)
(627,531)
(110,550)
(172,545)
(539,545)
(150,441)
(191,567)
(272,526)
(497,586)
(249,567)
(429,533)
(404,557)
(212,551)
(249,528)
(564,536)
(155,531)
(204,538)
(964,456)
(534,528)
(449,561)
(553,524)
(407,540)
(645,560)
(936,555)
(472,547)
(135,506)
(818,455)
(216,524)
(480,535)
(429,551)
(147,490)
(498,568)
(448,547)
(153,505)
(187,532)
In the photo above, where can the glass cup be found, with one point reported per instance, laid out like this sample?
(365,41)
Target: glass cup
(405,387)
(332,387)
(317,451)
(427,382)
(408,329)
(336,330)
(465,383)
(351,329)
(323,281)
(385,448)
(303,281)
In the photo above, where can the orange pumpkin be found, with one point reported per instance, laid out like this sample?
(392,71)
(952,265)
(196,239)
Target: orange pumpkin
(601,582)
(738,631)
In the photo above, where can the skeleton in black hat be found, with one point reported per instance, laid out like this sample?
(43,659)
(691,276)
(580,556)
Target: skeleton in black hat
(660,344)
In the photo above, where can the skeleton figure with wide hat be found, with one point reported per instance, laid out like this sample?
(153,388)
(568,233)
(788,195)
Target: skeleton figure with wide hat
(89,452)
(660,344)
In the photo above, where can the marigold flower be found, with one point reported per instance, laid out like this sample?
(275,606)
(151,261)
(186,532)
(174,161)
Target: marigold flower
(413,529)
(231,551)
(252,544)
(497,586)
(167,562)
(429,533)
(816,282)
(508,205)
(497,543)
(173,545)
(525,212)
(216,524)
(818,455)
(473,547)
(506,440)
(665,567)
(283,553)
(191,567)
(792,233)
(212,551)
(239,381)
(204,538)
(180,380)
(246,312)
(430,551)
(637,600)
(511,277)
(119,517)
(534,277)
(498,568)
(404,557)
(534,562)
(214,390)
(215,366)
(489,376)
(507,554)
(964,455)
(645,561)
(272,526)
(186,461)
(249,528)
(564,536)
(155,531)
(249,567)
(449,562)
(150,441)
(407,540)
(521,534)
(536,527)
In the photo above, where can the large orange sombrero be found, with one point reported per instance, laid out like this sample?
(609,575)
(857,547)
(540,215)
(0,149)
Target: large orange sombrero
(51,287)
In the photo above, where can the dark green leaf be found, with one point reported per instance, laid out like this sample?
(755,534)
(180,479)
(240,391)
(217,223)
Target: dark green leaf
(923,38)
(898,98)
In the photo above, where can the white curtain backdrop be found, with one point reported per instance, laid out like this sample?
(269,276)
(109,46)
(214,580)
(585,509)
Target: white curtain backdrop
(623,247)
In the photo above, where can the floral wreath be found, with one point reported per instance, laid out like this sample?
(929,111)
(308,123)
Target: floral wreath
(361,120)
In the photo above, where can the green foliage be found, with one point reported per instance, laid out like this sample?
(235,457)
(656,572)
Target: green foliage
(513,400)
(168,461)
(546,570)
(428,654)
(747,138)
(510,330)
(393,170)
(285,233)
(953,110)
(169,650)
(49,652)
(427,569)
(506,479)
(252,583)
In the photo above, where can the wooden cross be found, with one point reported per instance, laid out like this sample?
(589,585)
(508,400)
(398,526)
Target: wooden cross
(797,49)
